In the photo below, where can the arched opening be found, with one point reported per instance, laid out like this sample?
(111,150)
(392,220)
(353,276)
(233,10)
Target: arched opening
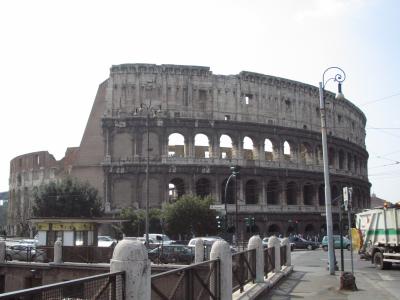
(331,157)
(321,195)
(230,192)
(290,230)
(355,164)
(306,154)
(341,159)
(287,154)
(319,155)
(309,230)
(335,195)
(308,194)
(203,187)
(273,192)
(176,145)
(273,229)
(291,193)
(176,189)
(248,148)
(336,228)
(201,146)
(269,150)
(225,146)
(251,192)
(349,161)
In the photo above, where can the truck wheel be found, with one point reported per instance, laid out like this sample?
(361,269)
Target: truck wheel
(325,248)
(309,247)
(378,261)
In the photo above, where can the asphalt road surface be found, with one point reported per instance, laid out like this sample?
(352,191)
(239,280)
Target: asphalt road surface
(311,280)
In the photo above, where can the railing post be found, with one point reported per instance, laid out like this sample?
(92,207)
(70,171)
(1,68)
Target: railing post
(220,250)
(58,252)
(256,243)
(285,242)
(276,244)
(199,251)
(2,251)
(131,256)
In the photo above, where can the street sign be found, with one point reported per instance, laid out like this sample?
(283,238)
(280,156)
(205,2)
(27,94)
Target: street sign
(217,207)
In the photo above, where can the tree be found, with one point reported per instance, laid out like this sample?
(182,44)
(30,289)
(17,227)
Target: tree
(190,215)
(136,224)
(66,198)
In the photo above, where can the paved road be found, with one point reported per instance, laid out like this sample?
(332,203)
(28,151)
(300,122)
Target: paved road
(311,280)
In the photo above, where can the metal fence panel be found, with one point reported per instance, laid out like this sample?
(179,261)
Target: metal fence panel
(269,260)
(198,281)
(110,286)
(243,269)
(283,255)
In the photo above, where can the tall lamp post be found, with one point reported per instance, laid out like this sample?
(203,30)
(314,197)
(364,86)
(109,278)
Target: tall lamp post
(339,77)
(150,111)
(235,170)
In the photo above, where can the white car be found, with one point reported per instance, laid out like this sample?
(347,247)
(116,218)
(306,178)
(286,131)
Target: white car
(105,241)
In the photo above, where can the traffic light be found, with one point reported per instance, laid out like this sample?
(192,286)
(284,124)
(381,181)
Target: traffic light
(252,221)
(247,221)
(220,222)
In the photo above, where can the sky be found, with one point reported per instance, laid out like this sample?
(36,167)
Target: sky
(54,55)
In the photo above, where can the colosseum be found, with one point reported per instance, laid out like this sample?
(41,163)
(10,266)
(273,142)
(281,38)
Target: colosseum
(200,124)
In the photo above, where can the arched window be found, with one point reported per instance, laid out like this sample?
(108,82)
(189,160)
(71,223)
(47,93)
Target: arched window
(203,187)
(305,153)
(273,192)
(349,162)
(308,194)
(251,193)
(321,195)
(248,148)
(201,146)
(331,157)
(269,150)
(341,159)
(274,229)
(319,155)
(230,192)
(287,150)
(176,145)
(176,189)
(225,146)
(291,193)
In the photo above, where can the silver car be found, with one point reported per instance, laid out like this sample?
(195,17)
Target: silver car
(25,252)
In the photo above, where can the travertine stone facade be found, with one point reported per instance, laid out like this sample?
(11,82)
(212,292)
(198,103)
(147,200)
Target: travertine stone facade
(199,124)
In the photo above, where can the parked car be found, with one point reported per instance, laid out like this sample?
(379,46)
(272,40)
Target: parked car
(25,252)
(300,243)
(266,239)
(336,242)
(156,239)
(172,254)
(106,241)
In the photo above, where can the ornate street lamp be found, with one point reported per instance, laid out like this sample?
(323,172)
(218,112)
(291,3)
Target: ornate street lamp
(150,111)
(235,170)
(339,77)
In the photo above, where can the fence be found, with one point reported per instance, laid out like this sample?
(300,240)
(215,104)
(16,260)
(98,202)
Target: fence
(110,286)
(243,269)
(85,254)
(197,281)
(269,260)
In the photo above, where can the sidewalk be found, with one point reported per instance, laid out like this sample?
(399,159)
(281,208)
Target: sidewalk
(316,283)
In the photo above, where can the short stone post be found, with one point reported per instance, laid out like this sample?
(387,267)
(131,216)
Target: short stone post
(2,251)
(285,242)
(221,250)
(131,256)
(199,251)
(256,243)
(274,242)
(58,252)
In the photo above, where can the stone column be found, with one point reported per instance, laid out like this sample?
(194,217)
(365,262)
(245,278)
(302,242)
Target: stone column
(58,251)
(285,242)
(256,243)
(275,243)
(131,256)
(221,250)
(2,251)
(199,251)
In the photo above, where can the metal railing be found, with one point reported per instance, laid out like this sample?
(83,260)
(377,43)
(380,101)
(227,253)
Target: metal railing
(198,281)
(110,286)
(81,254)
(269,260)
(25,253)
(283,255)
(243,269)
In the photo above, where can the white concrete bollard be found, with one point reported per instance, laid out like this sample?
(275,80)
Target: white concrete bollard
(221,250)
(256,243)
(285,242)
(2,251)
(274,242)
(58,252)
(131,256)
(199,251)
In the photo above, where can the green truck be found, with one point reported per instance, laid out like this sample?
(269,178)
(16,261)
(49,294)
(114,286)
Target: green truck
(380,235)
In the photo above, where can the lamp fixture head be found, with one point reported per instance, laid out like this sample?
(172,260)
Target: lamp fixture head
(339,95)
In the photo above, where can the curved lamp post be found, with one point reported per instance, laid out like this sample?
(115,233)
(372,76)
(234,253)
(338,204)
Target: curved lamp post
(339,77)
(150,111)
(235,170)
